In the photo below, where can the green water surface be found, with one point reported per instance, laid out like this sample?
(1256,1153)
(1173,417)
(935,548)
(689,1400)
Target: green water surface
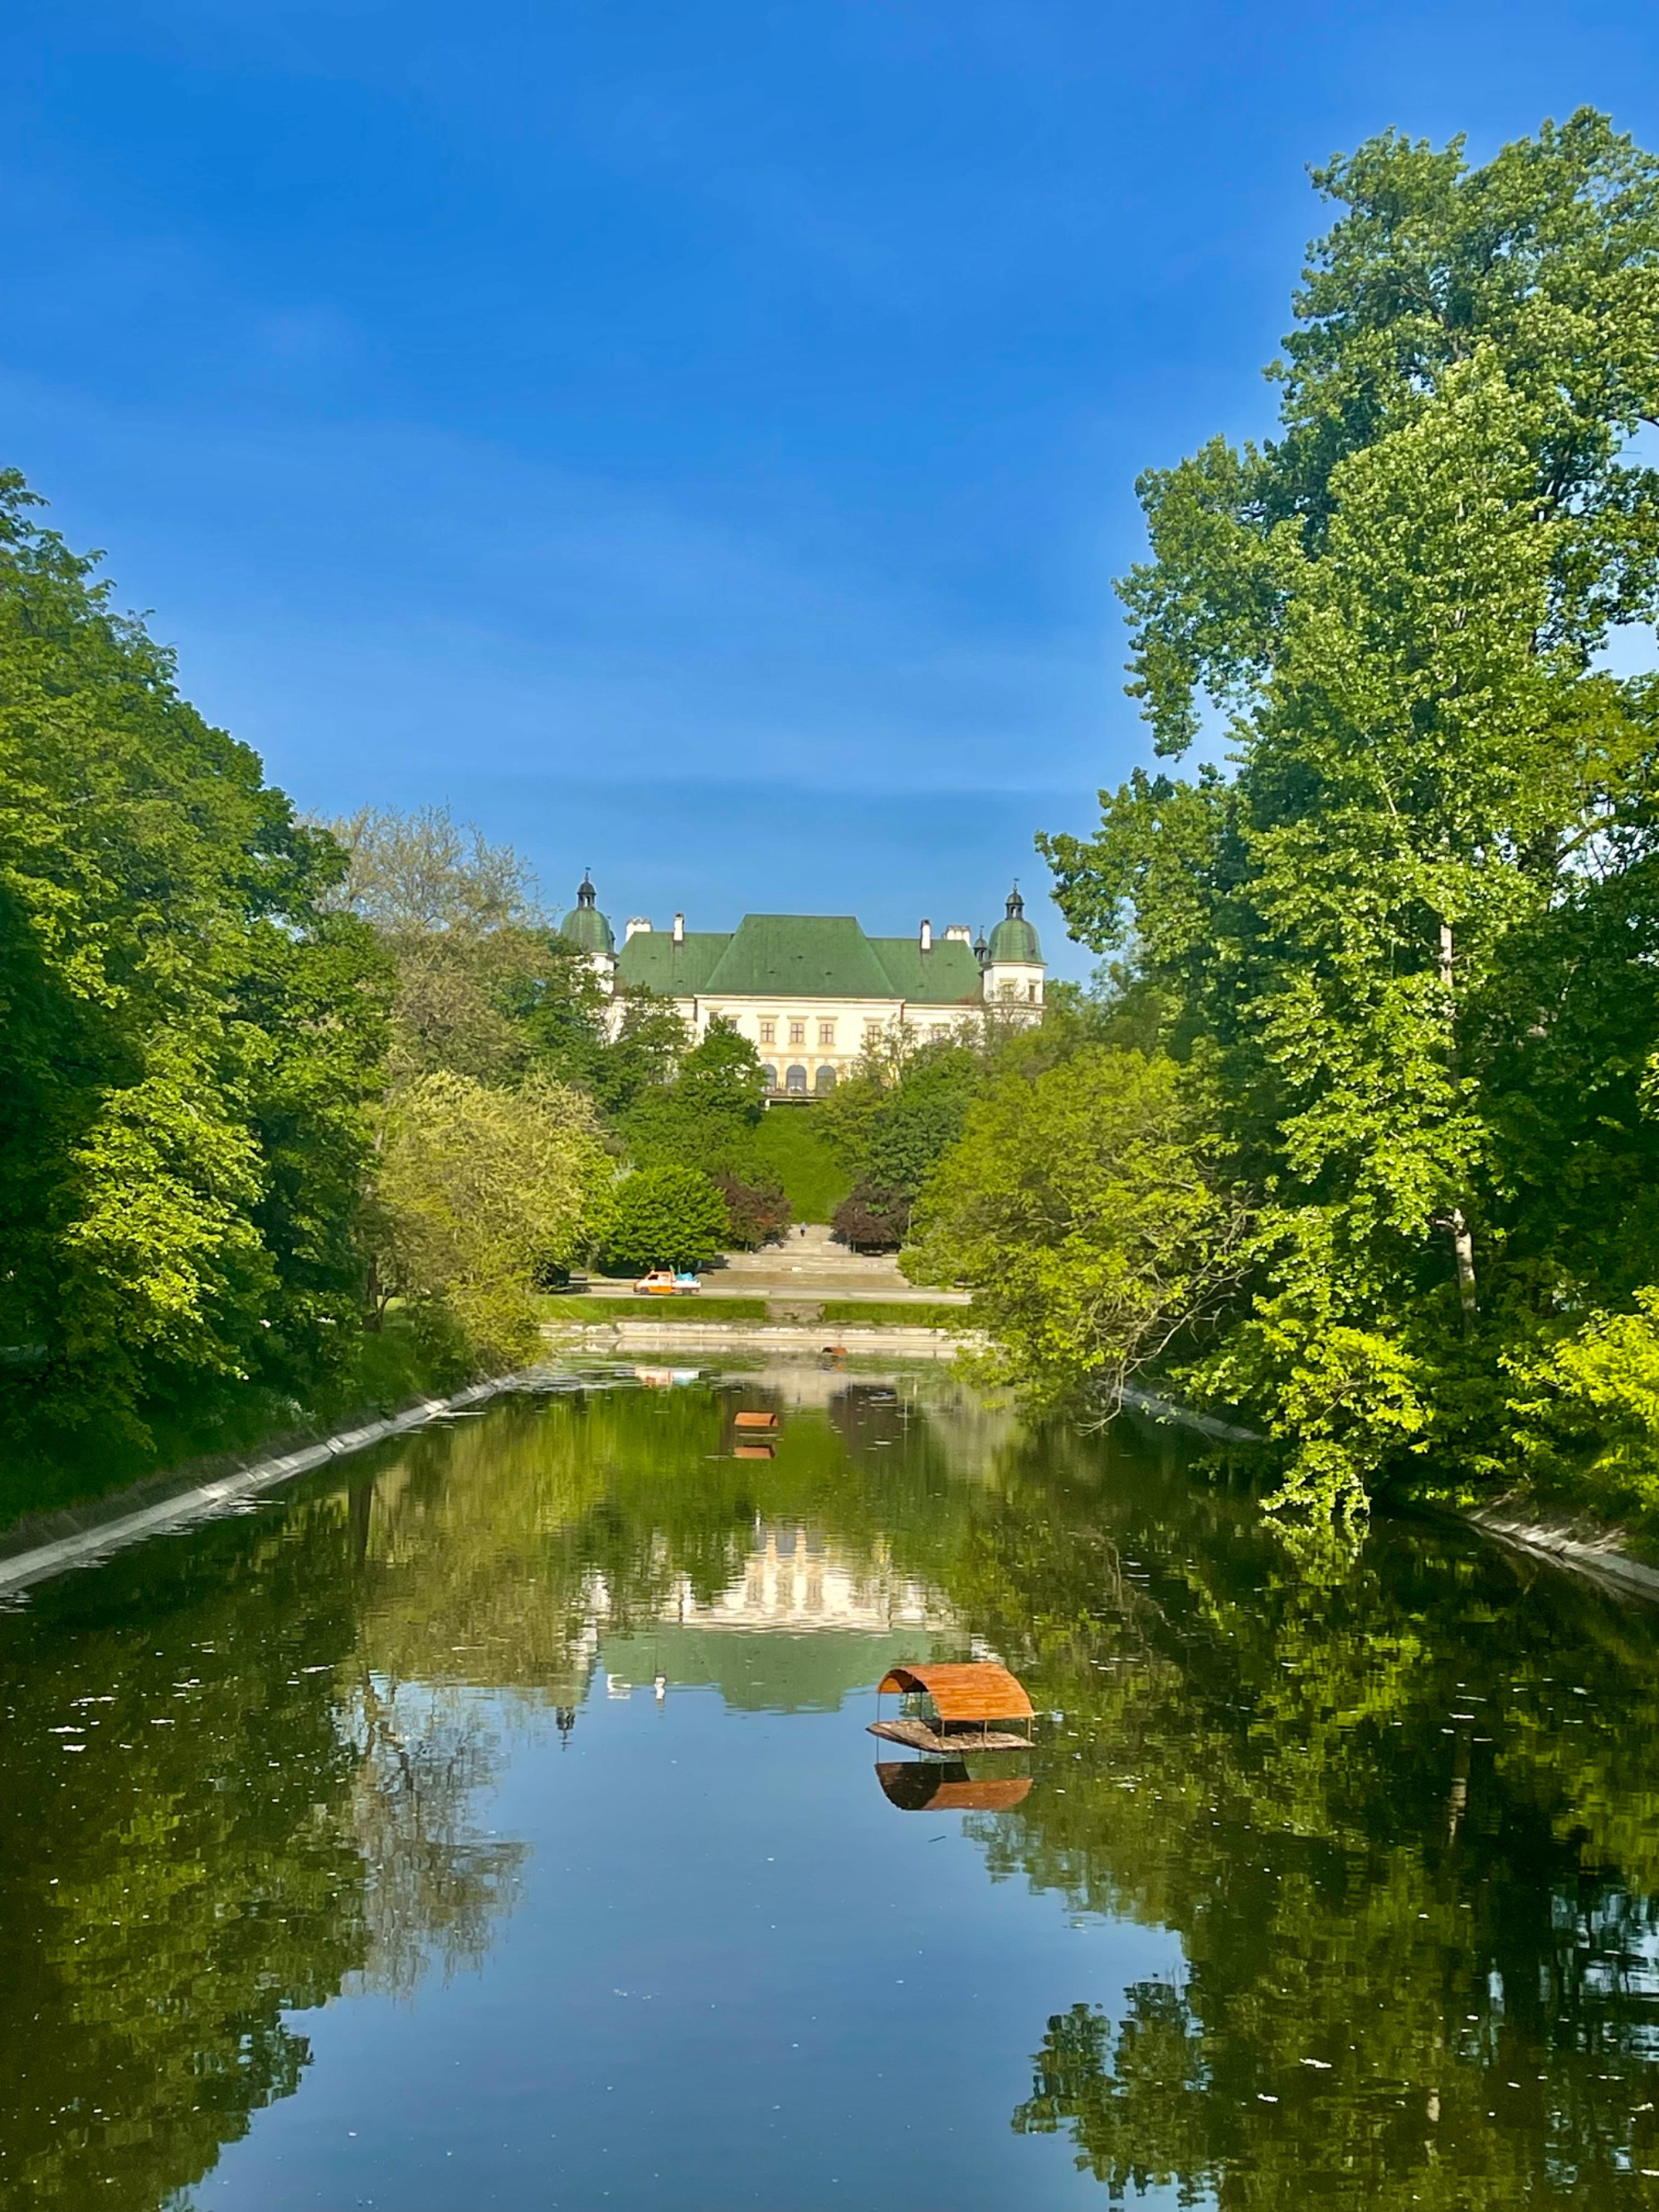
(352,1852)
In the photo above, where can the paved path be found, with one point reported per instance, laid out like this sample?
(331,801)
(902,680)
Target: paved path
(807,1265)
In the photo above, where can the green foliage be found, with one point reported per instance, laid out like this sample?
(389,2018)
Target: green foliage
(895,1313)
(650,1043)
(480,1192)
(890,1128)
(1083,1210)
(873,1217)
(191,1040)
(706,1117)
(666,1217)
(594,1310)
(1408,946)
(485,987)
(1585,1411)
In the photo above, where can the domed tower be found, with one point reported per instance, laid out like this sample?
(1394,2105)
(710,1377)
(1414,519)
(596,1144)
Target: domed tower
(1013,961)
(586,926)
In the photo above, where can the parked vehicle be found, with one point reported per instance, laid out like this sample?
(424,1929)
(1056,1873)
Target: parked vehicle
(666,1283)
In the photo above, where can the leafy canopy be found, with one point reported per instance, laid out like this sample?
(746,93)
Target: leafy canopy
(191,1038)
(666,1217)
(1376,939)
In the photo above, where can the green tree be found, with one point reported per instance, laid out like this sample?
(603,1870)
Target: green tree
(892,1125)
(1083,1210)
(479,1194)
(1360,937)
(666,1217)
(651,1040)
(485,987)
(708,1114)
(191,1042)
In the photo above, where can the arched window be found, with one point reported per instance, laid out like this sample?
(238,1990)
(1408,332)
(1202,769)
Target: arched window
(824,1081)
(771,1075)
(796,1080)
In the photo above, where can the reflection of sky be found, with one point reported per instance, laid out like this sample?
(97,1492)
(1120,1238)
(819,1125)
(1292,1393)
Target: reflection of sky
(735,1977)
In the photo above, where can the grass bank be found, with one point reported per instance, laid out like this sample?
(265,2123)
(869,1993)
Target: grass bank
(787,1143)
(707,1313)
(47,1469)
(593,1311)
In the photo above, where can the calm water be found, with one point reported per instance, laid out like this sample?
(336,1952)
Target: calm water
(351,1855)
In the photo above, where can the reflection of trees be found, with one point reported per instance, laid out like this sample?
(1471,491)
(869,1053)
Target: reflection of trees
(1419,1967)
(433,1885)
(288,1726)
(490,1550)
(1385,1920)
(168,1894)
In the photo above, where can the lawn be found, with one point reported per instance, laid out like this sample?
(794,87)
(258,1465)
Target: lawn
(893,1313)
(578,1306)
(814,1180)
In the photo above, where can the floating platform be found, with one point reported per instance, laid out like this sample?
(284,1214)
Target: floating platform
(965,1736)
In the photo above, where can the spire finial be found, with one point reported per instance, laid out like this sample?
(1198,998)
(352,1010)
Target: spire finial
(586,894)
(1016,903)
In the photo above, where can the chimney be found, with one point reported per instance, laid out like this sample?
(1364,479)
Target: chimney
(679,929)
(927,936)
(637,927)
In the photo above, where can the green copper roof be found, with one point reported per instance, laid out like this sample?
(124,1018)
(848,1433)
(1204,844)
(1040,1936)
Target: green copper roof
(585,924)
(1013,938)
(651,961)
(806,956)
(800,956)
(946,976)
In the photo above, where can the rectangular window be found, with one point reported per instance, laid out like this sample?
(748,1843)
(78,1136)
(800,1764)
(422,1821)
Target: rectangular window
(797,1032)
(768,1033)
(871,1036)
(826,1036)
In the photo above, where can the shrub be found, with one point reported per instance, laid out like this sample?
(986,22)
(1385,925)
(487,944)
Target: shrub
(481,1194)
(758,1212)
(873,1217)
(667,1217)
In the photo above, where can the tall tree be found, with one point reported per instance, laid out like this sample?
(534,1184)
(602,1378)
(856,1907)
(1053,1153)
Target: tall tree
(191,1041)
(1369,936)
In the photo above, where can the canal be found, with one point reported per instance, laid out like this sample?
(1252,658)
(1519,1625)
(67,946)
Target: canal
(491,1820)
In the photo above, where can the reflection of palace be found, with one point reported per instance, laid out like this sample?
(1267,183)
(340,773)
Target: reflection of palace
(806,1622)
(794,1579)
(811,992)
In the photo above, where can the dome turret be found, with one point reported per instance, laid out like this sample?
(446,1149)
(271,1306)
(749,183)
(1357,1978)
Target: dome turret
(586,926)
(1014,938)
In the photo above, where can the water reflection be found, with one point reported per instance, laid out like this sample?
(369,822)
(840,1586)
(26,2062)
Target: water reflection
(1402,1811)
(951,1785)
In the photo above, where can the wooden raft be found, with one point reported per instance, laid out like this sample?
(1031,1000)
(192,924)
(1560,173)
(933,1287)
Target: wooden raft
(920,1737)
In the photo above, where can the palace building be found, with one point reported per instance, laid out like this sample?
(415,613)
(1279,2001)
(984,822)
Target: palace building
(811,992)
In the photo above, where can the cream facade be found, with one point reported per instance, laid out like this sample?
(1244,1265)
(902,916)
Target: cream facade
(813,993)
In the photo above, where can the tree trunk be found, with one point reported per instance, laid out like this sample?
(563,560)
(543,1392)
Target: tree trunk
(1463,1252)
(1462,1243)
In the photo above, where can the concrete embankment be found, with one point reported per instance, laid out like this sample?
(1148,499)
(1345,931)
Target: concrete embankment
(108,1529)
(1584,1547)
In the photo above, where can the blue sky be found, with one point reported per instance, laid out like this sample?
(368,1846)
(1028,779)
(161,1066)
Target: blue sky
(695,441)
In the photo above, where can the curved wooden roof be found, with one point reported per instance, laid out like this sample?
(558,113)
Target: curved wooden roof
(980,1691)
